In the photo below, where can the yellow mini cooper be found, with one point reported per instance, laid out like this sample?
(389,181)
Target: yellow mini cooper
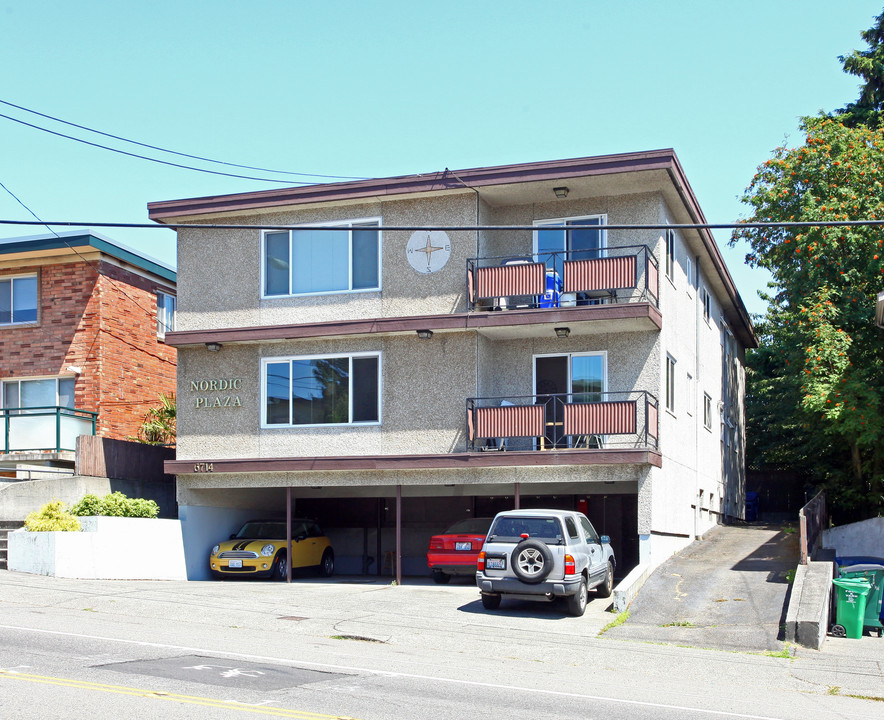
(259,550)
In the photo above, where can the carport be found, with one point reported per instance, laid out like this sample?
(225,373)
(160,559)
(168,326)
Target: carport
(384,530)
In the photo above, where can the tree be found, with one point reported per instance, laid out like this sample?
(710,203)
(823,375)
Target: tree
(869,65)
(816,385)
(158,426)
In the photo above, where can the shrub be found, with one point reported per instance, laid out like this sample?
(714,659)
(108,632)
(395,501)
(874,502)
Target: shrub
(52,517)
(116,504)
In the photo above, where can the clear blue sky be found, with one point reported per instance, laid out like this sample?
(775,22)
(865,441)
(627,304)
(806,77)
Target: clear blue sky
(372,89)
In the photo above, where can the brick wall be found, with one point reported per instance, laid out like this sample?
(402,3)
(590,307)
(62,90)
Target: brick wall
(105,323)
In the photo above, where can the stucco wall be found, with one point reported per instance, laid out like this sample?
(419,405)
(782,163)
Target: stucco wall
(107,548)
(865,538)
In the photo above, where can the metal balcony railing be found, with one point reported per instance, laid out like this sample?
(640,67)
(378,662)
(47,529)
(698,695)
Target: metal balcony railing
(48,428)
(563,279)
(563,421)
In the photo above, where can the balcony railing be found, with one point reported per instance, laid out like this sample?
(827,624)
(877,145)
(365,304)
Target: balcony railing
(44,428)
(563,421)
(562,279)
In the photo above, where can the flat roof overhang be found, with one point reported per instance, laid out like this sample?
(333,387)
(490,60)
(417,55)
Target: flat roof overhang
(453,461)
(505,324)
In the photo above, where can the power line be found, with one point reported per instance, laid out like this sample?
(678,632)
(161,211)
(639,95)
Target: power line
(461,228)
(171,152)
(156,160)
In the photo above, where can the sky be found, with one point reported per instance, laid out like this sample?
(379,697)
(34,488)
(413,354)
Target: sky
(377,89)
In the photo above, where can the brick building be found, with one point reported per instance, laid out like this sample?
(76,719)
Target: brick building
(82,351)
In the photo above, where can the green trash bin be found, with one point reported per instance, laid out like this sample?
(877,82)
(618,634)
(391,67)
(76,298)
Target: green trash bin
(873,574)
(851,607)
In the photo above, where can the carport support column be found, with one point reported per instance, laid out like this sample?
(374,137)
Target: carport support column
(288,534)
(517,496)
(398,534)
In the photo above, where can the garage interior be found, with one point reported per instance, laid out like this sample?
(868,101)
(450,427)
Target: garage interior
(361,522)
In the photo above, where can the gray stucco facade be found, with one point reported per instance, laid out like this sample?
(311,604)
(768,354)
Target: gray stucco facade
(669,482)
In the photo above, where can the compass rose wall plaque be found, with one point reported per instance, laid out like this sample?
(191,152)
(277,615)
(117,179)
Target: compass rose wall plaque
(428,250)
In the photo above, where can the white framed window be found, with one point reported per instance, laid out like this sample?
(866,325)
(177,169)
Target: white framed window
(38,393)
(689,394)
(582,376)
(670,383)
(571,238)
(18,299)
(166,307)
(313,390)
(707,411)
(670,255)
(689,274)
(315,262)
(706,299)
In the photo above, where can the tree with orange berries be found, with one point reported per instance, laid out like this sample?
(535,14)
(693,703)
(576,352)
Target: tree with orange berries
(815,387)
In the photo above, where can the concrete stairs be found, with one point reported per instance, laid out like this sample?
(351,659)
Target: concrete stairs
(6,527)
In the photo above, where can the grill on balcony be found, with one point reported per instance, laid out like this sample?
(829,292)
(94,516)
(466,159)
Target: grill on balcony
(558,279)
(563,421)
(50,428)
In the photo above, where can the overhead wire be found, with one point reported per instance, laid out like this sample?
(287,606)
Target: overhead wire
(166,150)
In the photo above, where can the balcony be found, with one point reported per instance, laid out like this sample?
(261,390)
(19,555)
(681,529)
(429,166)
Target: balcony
(563,422)
(44,429)
(627,274)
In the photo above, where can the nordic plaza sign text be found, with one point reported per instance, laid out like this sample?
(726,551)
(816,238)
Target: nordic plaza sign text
(217,392)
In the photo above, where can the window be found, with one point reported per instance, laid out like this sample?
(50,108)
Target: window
(166,305)
(707,411)
(589,531)
(306,262)
(563,239)
(689,385)
(576,378)
(670,383)
(689,274)
(18,300)
(333,390)
(571,527)
(670,254)
(706,299)
(40,392)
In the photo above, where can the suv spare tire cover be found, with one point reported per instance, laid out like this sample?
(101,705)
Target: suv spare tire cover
(537,555)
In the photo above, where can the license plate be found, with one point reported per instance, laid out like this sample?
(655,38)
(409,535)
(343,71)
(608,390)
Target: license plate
(463,546)
(495,563)
(235,564)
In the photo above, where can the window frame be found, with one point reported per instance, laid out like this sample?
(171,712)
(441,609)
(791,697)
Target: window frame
(603,354)
(161,334)
(689,274)
(12,279)
(670,254)
(562,222)
(322,356)
(349,223)
(706,300)
(707,411)
(689,379)
(670,384)
(5,382)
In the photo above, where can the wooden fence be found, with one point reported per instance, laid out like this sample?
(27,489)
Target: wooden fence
(122,459)
(813,519)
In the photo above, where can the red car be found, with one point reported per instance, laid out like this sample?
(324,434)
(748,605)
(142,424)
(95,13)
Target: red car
(456,551)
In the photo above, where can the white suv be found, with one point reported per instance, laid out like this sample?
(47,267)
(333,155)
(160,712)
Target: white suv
(544,555)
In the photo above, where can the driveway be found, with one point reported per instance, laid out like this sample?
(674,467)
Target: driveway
(725,592)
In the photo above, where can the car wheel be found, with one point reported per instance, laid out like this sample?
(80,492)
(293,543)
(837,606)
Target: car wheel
(440,577)
(607,587)
(279,567)
(490,602)
(327,566)
(577,602)
(531,561)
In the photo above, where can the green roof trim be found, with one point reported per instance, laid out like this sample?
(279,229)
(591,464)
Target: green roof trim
(88,239)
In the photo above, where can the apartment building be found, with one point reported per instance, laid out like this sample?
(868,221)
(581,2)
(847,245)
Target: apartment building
(82,323)
(389,356)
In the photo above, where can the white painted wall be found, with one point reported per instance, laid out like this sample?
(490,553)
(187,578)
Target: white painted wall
(202,528)
(107,548)
(864,538)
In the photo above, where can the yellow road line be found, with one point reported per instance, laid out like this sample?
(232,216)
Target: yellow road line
(159,695)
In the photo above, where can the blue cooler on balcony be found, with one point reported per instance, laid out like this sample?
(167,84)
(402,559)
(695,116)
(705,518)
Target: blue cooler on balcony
(552,297)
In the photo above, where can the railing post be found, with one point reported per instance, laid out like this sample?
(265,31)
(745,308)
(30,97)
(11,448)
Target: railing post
(57,429)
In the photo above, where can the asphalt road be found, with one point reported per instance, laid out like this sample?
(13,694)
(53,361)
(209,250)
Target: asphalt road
(369,650)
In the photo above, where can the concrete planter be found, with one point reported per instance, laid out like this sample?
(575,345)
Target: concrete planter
(107,548)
